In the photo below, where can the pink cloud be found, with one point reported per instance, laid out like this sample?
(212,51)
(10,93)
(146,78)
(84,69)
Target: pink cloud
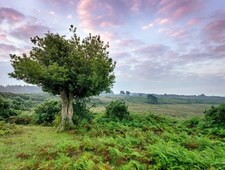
(163,21)
(220,49)
(175,32)
(106,24)
(18,27)
(7,48)
(132,43)
(61,2)
(108,36)
(26,31)
(97,14)
(178,9)
(3,37)
(10,15)
(120,55)
(179,34)
(152,49)
(193,21)
(135,5)
(60,5)
(219,14)
(195,56)
(215,31)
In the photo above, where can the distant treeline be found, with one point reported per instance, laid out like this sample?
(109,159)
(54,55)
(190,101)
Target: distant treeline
(177,99)
(191,99)
(20,89)
(127,96)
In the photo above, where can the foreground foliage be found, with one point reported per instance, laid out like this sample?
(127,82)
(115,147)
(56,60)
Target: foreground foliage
(216,115)
(147,141)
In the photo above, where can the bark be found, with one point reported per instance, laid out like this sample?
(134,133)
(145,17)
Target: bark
(66,112)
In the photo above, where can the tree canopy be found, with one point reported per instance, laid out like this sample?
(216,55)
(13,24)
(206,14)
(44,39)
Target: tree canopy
(81,67)
(122,92)
(71,67)
(152,99)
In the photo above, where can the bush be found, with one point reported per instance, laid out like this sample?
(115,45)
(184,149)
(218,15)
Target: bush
(216,115)
(45,113)
(5,109)
(117,110)
(17,103)
(20,119)
(81,111)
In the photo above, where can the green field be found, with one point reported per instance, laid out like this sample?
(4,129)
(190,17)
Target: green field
(177,110)
(140,105)
(161,136)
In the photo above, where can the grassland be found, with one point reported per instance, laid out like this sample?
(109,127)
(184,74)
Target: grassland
(146,142)
(140,105)
(162,136)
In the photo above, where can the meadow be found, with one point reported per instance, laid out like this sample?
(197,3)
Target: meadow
(140,105)
(160,136)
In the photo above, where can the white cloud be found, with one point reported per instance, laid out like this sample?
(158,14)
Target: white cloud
(52,13)
(69,16)
(146,27)
(207,68)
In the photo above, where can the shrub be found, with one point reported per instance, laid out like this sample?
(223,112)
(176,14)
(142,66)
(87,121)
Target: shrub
(216,115)
(81,111)
(17,103)
(117,110)
(5,109)
(46,112)
(20,119)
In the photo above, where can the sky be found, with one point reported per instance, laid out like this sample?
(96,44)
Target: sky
(160,46)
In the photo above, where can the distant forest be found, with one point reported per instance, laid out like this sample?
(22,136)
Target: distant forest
(20,89)
(161,99)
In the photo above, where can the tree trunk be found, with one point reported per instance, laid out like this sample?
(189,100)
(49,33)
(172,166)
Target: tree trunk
(66,112)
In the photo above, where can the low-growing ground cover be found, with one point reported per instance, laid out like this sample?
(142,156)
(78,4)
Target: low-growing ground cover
(148,141)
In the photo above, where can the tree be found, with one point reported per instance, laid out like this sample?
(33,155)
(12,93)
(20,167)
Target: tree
(127,93)
(71,68)
(122,92)
(152,99)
